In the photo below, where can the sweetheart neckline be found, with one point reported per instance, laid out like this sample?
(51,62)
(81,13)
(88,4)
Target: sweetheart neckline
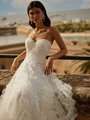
(40,40)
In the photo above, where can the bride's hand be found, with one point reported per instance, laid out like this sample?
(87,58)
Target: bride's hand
(49,66)
(14,65)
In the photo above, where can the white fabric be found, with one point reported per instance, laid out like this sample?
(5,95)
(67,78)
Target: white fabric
(32,95)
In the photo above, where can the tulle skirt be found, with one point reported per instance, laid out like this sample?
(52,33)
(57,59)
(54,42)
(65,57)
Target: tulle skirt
(32,95)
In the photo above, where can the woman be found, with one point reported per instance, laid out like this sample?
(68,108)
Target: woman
(34,92)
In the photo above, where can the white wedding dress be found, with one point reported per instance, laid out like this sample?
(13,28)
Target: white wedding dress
(32,95)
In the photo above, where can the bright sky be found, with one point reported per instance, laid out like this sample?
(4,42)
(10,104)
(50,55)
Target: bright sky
(20,6)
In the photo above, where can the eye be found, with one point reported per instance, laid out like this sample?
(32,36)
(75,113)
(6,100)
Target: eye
(31,13)
(37,12)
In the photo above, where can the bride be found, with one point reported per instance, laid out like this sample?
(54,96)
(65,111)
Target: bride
(34,92)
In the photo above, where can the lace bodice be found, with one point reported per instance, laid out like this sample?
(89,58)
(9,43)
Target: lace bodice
(39,49)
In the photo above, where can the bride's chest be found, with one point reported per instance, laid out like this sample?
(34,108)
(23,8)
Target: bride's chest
(40,45)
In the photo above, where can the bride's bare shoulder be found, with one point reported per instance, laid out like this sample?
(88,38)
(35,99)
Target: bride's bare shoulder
(53,29)
(30,30)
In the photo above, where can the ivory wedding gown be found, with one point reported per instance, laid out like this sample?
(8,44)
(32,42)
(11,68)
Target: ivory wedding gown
(32,95)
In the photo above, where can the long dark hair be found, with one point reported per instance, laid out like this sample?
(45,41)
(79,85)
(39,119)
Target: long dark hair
(38,4)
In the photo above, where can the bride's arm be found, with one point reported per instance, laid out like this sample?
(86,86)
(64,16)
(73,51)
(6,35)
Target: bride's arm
(60,53)
(17,60)
(60,43)
(21,56)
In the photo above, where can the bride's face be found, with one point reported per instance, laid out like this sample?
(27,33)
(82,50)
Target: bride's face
(36,15)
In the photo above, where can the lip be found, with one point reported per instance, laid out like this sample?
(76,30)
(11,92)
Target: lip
(34,19)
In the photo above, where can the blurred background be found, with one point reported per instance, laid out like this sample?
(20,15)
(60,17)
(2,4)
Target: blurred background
(72,19)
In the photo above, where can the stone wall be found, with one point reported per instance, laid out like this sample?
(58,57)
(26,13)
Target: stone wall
(81,90)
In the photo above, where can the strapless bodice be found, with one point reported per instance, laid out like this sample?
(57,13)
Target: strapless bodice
(37,50)
(30,43)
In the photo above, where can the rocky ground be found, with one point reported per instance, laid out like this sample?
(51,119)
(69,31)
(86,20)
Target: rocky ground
(81,90)
(81,93)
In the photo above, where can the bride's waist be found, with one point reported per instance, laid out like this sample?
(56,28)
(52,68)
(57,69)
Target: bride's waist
(35,59)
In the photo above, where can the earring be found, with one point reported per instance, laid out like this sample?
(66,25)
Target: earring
(43,19)
(31,22)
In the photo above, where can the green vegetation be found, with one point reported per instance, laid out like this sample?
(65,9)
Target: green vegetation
(73,27)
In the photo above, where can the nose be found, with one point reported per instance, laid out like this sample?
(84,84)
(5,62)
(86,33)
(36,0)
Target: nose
(35,15)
